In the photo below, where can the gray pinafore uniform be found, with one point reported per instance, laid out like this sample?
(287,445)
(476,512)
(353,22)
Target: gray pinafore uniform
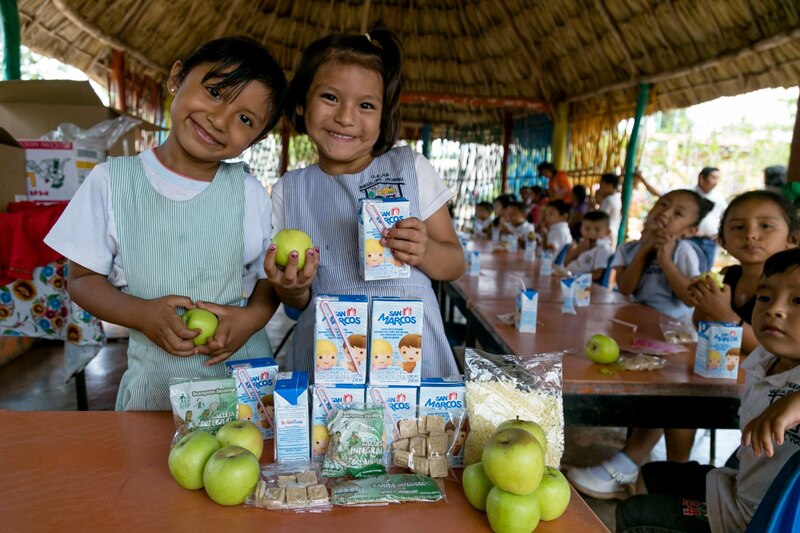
(326,208)
(190,248)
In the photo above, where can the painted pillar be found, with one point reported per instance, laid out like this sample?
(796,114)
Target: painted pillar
(560,130)
(426,140)
(508,129)
(118,75)
(630,160)
(793,173)
(11,39)
(286,134)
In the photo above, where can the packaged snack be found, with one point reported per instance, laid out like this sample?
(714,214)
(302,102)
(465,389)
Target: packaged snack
(202,403)
(375,215)
(386,489)
(424,445)
(637,362)
(502,387)
(446,397)
(324,400)
(295,486)
(718,347)
(678,331)
(654,347)
(292,441)
(255,384)
(396,341)
(340,339)
(358,441)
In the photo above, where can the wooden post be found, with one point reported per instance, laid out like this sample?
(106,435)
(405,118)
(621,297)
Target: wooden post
(793,173)
(118,73)
(508,128)
(560,130)
(630,160)
(426,140)
(11,39)
(286,133)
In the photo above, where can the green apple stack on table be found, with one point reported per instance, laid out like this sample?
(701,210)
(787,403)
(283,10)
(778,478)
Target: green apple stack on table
(512,483)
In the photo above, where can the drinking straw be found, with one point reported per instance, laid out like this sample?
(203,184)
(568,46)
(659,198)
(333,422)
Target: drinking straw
(375,214)
(250,389)
(633,327)
(377,397)
(324,399)
(337,331)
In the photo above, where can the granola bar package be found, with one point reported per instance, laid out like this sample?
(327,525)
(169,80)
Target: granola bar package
(358,441)
(295,487)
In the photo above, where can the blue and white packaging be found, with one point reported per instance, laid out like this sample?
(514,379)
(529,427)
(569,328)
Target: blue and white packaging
(375,215)
(583,290)
(530,247)
(474,263)
(396,326)
(510,242)
(255,385)
(332,363)
(292,417)
(568,288)
(546,263)
(718,348)
(324,399)
(442,397)
(401,401)
(526,311)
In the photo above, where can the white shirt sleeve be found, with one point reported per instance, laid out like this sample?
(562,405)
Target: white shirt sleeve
(625,253)
(262,209)
(686,259)
(431,188)
(278,213)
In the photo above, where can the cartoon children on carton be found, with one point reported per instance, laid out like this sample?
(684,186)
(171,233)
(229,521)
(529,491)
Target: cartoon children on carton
(396,348)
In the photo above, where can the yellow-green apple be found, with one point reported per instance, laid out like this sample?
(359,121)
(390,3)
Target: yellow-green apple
(528,425)
(602,349)
(553,494)
(188,457)
(205,321)
(230,475)
(712,277)
(476,485)
(242,433)
(512,513)
(513,460)
(291,240)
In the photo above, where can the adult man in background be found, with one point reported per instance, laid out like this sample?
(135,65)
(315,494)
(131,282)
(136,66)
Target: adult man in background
(706,236)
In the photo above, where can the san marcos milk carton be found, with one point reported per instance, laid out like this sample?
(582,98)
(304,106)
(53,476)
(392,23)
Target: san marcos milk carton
(340,339)
(374,216)
(396,341)
(718,345)
(474,263)
(583,290)
(324,399)
(526,311)
(255,384)
(292,417)
(445,397)
(401,401)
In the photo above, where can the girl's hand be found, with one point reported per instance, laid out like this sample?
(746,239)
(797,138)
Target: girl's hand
(714,302)
(158,319)
(408,240)
(235,327)
(290,279)
(664,245)
(770,425)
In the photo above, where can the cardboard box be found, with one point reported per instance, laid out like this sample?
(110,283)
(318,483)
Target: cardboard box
(292,417)
(55,169)
(12,170)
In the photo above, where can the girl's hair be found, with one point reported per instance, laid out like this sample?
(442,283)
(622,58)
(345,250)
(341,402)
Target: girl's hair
(704,206)
(238,61)
(788,211)
(379,51)
(579,192)
(782,262)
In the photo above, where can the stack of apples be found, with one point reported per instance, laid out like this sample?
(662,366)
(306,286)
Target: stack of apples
(225,464)
(512,483)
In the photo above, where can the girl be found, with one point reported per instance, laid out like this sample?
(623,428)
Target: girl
(152,235)
(754,226)
(345,96)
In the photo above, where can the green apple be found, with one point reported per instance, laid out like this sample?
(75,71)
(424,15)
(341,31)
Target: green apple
(288,241)
(712,277)
(528,425)
(242,433)
(553,494)
(230,475)
(205,321)
(602,349)
(476,485)
(512,513)
(513,460)
(188,457)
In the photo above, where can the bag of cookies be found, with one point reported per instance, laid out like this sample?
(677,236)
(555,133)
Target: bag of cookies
(296,487)
(425,444)
(359,438)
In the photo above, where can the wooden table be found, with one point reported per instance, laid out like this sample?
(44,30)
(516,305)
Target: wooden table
(107,471)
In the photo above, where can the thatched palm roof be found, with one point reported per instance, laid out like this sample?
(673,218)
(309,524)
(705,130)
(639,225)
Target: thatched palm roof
(591,53)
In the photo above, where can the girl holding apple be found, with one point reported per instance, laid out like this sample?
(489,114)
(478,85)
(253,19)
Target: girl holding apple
(152,235)
(345,95)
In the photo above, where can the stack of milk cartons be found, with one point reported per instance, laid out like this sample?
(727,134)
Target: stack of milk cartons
(445,397)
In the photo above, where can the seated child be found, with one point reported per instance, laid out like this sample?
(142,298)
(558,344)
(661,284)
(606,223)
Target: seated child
(481,225)
(515,223)
(538,200)
(556,215)
(693,497)
(591,254)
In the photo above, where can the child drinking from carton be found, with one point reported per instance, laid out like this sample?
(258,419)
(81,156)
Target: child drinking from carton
(726,499)
(176,227)
(556,215)
(345,96)
(516,223)
(591,254)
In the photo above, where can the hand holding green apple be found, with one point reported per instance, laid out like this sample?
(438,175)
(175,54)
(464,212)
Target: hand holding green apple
(205,321)
(287,241)
(711,278)
(602,349)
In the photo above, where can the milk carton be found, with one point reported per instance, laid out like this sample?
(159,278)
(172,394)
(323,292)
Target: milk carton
(526,311)
(530,247)
(292,417)
(396,341)
(375,215)
(510,242)
(401,401)
(255,384)
(332,362)
(718,346)
(444,397)
(583,290)
(474,263)
(546,263)
(324,399)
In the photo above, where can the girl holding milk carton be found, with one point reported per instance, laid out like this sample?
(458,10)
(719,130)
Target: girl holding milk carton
(345,96)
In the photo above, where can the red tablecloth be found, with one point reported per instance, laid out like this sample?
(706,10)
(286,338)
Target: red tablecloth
(22,232)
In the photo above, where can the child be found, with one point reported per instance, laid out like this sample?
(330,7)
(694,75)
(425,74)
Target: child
(558,236)
(515,223)
(579,207)
(537,203)
(610,201)
(481,226)
(500,204)
(176,228)
(657,270)
(591,254)
(345,96)
(754,226)
(770,411)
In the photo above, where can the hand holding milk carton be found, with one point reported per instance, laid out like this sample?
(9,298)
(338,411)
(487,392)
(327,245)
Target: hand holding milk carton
(375,215)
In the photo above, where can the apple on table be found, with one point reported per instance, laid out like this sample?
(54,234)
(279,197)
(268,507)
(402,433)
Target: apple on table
(602,349)
(187,459)
(476,485)
(242,433)
(512,513)
(230,475)
(528,425)
(514,461)
(553,494)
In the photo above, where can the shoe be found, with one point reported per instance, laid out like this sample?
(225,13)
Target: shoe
(617,486)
